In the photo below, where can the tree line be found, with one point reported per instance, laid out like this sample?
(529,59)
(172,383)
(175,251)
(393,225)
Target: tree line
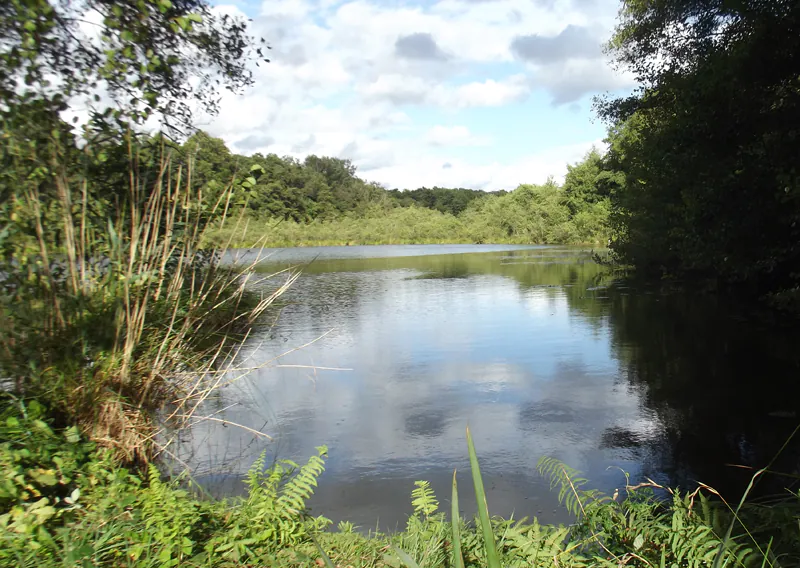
(709,143)
(317,190)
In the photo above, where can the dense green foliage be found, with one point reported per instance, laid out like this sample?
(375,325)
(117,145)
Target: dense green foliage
(443,199)
(105,288)
(321,201)
(104,283)
(709,144)
(66,504)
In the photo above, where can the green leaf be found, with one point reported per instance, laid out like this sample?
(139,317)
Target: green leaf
(638,542)
(72,435)
(406,559)
(41,425)
(165,555)
(195,18)
(455,522)
(43,512)
(492,560)
(45,478)
(43,536)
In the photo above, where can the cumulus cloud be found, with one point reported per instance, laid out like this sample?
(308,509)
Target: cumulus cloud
(418,46)
(293,55)
(398,89)
(369,153)
(255,142)
(417,168)
(571,81)
(574,42)
(570,64)
(376,82)
(491,92)
(402,90)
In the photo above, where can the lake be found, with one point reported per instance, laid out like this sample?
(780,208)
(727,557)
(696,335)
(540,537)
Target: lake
(386,353)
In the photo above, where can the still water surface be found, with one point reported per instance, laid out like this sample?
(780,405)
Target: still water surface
(538,349)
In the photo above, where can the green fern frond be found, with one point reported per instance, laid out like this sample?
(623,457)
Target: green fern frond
(299,488)
(424,499)
(153,476)
(256,472)
(569,484)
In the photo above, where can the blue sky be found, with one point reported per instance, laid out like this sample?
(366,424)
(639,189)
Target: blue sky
(472,93)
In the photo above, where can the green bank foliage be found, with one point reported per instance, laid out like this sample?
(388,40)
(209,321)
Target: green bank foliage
(109,307)
(321,201)
(708,144)
(64,503)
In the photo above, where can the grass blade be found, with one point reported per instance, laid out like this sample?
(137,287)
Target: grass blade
(492,560)
(406,559)
(325,558)
(455,520)
(766,556)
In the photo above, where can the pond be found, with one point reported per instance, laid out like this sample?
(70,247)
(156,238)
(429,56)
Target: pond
(386,353)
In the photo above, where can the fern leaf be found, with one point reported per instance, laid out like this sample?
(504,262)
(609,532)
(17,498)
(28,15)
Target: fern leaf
(299,488)
(424,499)
(256,472)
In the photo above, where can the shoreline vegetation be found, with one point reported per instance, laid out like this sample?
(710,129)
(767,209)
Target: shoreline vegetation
(117,321)
(401,226)
(66,503)
(321,201)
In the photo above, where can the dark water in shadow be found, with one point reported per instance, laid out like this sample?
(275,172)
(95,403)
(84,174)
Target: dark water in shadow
(535,347)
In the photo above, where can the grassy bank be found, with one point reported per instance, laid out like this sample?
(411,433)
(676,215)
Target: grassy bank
(66,503)
(490,223)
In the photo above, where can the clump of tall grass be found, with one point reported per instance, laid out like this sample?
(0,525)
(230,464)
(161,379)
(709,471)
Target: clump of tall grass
(109,307)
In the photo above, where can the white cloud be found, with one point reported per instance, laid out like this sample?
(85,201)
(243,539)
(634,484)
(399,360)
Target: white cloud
(403,90)
(376,81)
(428,171)
(453,136)
(571,80)
(491,92)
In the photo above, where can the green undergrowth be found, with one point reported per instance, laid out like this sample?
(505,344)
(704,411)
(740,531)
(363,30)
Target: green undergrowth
(63,502)
(529,215)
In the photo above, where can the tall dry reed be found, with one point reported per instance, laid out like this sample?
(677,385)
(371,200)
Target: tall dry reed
(110,309)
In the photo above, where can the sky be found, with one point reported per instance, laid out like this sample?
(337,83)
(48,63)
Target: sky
(484,94)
